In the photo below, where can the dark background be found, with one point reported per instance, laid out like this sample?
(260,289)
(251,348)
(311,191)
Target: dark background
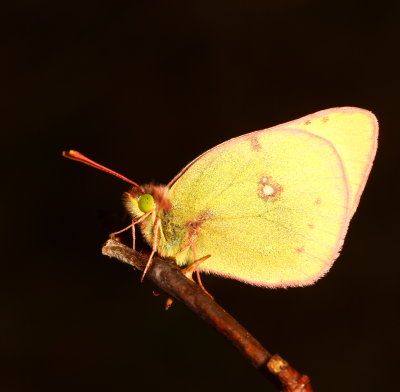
(145,87)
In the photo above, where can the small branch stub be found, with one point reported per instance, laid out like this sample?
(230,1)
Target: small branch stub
(168,277)
(290,378)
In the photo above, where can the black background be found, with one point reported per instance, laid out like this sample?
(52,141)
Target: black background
(145,87)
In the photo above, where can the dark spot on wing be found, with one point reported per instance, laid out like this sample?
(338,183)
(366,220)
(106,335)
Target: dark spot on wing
(254,143)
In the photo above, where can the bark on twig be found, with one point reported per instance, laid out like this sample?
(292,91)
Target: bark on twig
(168,277)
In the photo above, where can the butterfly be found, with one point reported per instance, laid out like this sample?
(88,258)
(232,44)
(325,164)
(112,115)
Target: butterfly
(270,208)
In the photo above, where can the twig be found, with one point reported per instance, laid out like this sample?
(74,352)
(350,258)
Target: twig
(169,278)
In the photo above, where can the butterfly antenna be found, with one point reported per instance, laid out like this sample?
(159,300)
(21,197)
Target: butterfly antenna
(77,156)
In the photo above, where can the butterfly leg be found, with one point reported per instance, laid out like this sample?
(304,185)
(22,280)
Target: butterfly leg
(157,225)
(199,279)
(115,233)
(197,263)
(188,271)
(132,225)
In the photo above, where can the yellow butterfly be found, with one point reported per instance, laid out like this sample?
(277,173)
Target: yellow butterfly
(270,207)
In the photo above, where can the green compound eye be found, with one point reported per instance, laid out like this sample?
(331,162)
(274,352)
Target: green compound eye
(146,202)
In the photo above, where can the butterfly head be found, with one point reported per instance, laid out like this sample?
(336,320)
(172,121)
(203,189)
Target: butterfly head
(147,199)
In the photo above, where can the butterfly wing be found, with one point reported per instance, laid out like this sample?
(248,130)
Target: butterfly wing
(354,133)
(270,207)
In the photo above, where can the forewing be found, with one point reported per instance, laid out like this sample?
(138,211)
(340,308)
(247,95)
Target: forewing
(270,207)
